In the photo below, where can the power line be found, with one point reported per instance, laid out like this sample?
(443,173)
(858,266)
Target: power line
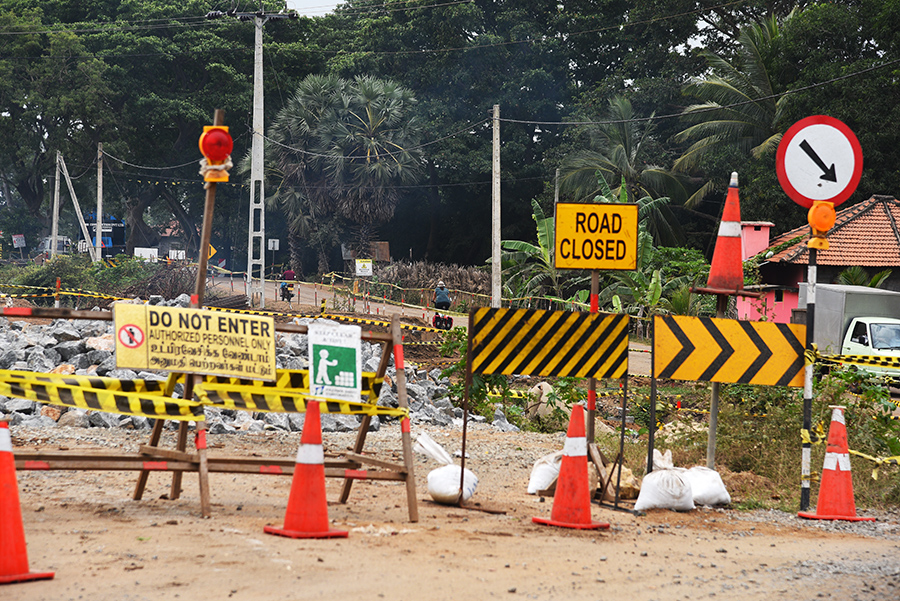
(386,153)
(711,108)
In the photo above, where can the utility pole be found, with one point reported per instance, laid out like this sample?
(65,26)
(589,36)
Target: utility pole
(496,290)
(98,227)
(256,243)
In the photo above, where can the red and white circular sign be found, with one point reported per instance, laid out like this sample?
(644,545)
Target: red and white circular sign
(819,158)
(131,336)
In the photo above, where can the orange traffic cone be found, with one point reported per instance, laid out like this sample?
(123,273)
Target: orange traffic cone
(13,555)
(572,501)
(726,274)
(836,492)
(307,510)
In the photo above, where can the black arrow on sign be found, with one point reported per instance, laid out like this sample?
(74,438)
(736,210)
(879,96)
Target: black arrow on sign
(725,350)
(687,347)
(828,173)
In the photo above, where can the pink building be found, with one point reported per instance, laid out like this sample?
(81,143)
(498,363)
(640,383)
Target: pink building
(865,234)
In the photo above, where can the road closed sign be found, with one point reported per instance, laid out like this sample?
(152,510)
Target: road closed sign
(195,341)
(596,236)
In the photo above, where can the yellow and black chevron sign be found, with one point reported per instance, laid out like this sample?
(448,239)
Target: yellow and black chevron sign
(549,343)
(728,350)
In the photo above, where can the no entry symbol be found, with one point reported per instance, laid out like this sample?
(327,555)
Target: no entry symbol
(131,336)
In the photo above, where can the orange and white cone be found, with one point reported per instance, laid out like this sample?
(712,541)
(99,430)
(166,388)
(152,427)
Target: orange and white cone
(13,554)
(572,501)
(726,273)
(836,491)
(307,510)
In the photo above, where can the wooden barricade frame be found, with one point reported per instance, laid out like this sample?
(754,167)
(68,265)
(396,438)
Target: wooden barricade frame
(514,339)
(348,466)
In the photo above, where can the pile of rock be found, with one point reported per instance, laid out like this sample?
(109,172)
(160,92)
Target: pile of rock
(87,347)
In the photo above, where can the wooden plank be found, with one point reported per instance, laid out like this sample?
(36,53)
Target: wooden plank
(168,454)
(396,467)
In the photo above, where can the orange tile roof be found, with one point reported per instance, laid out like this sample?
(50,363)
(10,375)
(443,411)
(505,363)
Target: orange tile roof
(866,234)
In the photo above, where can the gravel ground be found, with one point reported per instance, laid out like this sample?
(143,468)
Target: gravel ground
(104,546)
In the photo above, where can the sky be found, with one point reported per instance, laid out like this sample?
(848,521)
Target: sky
(312,8)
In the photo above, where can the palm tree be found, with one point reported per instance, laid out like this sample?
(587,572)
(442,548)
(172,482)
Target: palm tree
(341,150)
(857,276)
(617,153)
(530,268)
(739,109)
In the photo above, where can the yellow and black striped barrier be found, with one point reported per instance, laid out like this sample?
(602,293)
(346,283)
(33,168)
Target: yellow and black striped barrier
(549,343)
(152,398)
(144,398)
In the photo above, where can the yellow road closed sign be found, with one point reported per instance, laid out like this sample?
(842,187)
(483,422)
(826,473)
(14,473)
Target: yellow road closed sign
(195,341)
(596,236)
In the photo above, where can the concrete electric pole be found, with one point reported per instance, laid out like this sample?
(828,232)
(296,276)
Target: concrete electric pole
(256,243)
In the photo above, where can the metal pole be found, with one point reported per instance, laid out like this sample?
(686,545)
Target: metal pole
(652,434)
(721,305)
(495,214)
(54,228)
(806,449)
(592,382)
(98,228)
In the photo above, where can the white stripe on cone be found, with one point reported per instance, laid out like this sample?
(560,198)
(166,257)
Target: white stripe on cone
(575,447)
(730,229)
(5,441)
(837,461)
(311,454)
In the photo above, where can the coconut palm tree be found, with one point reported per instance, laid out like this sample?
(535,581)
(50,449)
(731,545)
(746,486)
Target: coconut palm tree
(739,109)
(617,153)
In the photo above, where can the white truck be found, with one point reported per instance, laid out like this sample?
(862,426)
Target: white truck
(857,320)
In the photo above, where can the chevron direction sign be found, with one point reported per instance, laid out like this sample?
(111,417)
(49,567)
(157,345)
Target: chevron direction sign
(728,350)
(548,343)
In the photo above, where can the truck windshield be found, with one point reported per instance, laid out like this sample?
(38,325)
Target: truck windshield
(885,335)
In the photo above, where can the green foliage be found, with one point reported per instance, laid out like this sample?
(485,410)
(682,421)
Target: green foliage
(454,342)
(857,276)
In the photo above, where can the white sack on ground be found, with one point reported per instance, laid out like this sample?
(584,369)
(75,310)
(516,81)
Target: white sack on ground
(427,446)
(443,482)
(707,486)
(662,461)
(665,489)
(544,472)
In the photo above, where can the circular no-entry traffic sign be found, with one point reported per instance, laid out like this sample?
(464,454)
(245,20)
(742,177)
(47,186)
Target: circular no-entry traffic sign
(131,336)
(819,158)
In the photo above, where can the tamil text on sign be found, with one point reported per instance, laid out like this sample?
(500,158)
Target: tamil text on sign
(596,236)
(195,341)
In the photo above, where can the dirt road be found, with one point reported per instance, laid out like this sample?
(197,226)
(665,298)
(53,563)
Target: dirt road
(105,546)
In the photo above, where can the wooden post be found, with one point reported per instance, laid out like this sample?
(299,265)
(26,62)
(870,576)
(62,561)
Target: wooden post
(397,336)
(592,382)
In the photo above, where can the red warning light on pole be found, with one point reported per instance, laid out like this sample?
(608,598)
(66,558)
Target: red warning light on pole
(216,145)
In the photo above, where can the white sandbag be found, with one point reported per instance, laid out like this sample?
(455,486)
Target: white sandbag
(544,472)
(427,446)
(665,489)
(443,484)
(707,486)
(662,462)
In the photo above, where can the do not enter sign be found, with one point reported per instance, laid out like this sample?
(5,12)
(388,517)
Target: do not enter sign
(596,236)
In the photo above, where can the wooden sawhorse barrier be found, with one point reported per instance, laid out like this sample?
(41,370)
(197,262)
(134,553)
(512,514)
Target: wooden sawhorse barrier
(135,397)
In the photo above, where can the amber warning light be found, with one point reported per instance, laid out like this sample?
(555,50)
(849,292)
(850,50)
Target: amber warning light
(216,145)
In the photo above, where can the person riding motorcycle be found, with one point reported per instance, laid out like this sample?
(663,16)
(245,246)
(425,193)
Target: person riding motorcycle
(441,297)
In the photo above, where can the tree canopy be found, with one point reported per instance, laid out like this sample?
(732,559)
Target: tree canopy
(684,91)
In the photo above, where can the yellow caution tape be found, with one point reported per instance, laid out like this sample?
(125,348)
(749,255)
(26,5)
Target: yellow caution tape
(144,398)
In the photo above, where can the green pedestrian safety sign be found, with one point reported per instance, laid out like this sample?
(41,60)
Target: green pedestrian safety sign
(335,361)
